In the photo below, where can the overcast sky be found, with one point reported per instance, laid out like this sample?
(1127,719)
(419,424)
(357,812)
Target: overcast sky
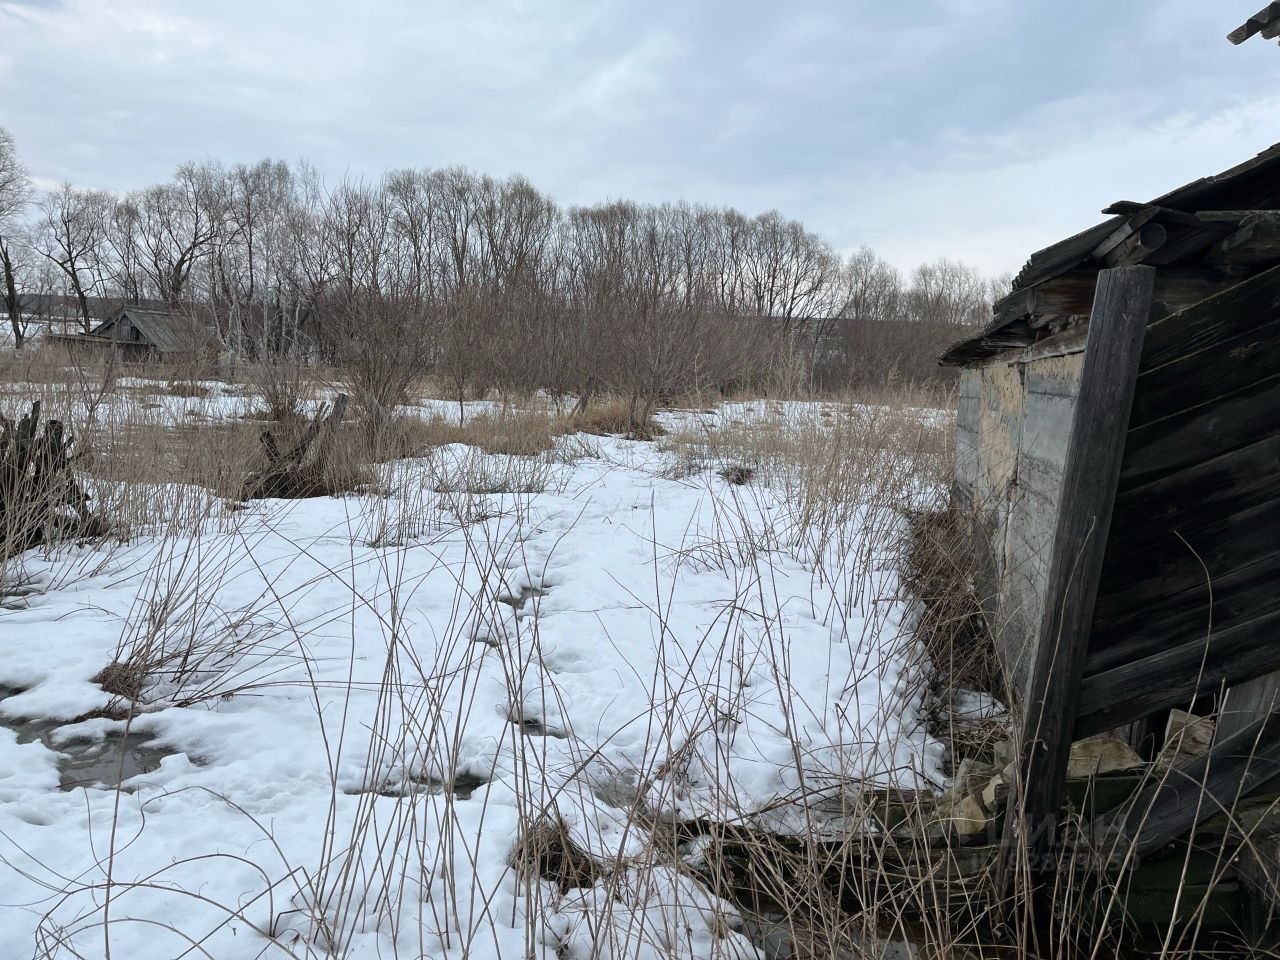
(974,129)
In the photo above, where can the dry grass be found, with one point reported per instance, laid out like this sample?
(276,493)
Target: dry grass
(519,433)
(179,388)
(614,416)
(939,571)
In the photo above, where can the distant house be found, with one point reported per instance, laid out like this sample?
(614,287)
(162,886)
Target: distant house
(146,333)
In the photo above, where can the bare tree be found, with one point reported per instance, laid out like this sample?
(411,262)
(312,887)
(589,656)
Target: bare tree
(15,195)
(72,234)
(176,224)
(378,345)
(483,282)
(788,272)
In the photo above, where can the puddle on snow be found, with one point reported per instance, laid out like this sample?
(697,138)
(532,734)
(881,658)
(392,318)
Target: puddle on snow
(462,786)
(518,603)
(90,762)
(532,727)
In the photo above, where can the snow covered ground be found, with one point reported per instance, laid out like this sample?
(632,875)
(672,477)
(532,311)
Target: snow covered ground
(357,709)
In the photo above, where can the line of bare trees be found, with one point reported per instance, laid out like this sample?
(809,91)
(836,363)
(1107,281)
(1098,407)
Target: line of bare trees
(486,282)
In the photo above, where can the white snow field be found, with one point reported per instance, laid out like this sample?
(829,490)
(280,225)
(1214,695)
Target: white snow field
(356,709)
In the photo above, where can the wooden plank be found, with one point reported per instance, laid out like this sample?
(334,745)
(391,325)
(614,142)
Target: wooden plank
(1167,214)
(1248,701)
(1219,600)
(1231,482)
(1218,318)
(1201,378)
(1094,452)
(1256,241)
(1065,343)
(1234,768)
(1178,673)
(1233,218)
(1157,449)
(1187,243)
(1145,579)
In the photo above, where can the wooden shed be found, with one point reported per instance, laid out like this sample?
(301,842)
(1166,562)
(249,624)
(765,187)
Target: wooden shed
(147,333)
(1118,447)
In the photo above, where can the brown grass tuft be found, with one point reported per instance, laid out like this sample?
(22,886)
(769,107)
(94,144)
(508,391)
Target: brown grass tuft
(517,434)
(544,850)
(617,417)
(939,570)
(120,680)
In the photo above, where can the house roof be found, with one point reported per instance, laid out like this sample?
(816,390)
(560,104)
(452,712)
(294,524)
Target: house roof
(1178,228)
(167,331)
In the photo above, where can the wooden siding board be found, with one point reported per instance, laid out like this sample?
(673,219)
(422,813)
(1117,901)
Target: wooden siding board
(1197,380)
(1134,582)
(1212,321)
(1229,483)
(1193,436)
(1226,600)
(1177,674)
(1245,703)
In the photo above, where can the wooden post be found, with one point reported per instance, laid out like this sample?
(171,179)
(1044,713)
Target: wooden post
(1095,448)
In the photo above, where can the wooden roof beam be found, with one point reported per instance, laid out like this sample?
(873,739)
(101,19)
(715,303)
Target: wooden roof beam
(1167,214)
(1266,21)
(1256,241)
(1136,222)
(1140,244)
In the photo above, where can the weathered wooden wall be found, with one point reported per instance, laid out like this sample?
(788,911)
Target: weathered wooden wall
(1012,427)
(1189,597)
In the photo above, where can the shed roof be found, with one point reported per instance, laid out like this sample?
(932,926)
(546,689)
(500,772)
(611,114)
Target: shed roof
(166,330)
(1188,222)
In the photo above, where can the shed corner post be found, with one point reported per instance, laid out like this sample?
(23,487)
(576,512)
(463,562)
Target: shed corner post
(1095,449)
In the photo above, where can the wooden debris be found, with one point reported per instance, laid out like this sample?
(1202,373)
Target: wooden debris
(299,471)
(1171,806)
(38,486)
(1101,755)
